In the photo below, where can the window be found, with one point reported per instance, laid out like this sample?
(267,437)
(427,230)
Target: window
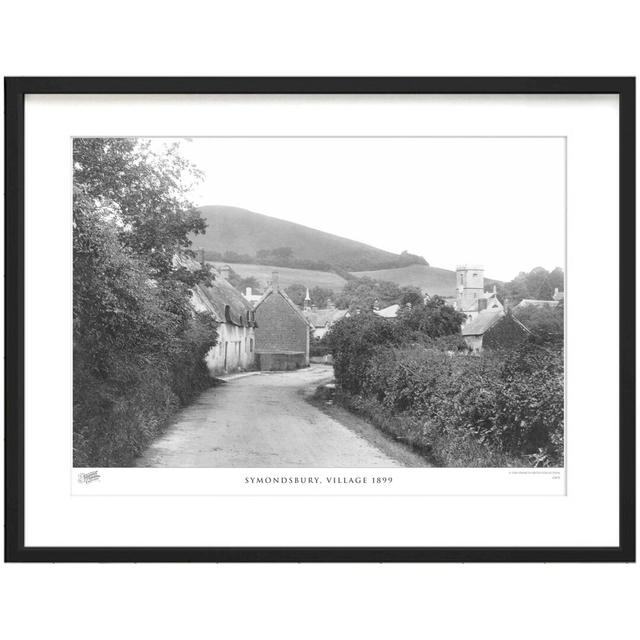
(251,345)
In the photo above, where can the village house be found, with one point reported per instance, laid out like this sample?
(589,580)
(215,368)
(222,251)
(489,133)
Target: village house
(250,297)
(282,331)
(322,319)
(494,330)
(234,317)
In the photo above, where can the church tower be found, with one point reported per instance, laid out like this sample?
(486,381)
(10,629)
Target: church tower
(469,286)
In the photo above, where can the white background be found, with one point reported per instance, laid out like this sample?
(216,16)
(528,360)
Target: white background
(334,38)
(53,517)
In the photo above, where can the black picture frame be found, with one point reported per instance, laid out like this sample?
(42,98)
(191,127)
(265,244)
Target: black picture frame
(15,91)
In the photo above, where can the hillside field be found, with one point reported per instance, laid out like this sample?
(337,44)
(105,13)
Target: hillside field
(288,276)
(432,280)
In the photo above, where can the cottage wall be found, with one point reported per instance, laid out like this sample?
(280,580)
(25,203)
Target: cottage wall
(280,328)
(235,350)
(474,343)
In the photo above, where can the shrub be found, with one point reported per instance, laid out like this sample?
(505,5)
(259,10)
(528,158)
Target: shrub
(462,411)
(138,347)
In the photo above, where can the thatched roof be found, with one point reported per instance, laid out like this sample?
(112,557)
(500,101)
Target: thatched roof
(221,299)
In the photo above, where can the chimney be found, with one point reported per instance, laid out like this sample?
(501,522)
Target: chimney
(330,304)
(201,257)
(275,281)
(307,301)
(224,272)
(247,292)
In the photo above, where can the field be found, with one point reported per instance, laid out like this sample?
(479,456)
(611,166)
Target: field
(432,280)
(288,276)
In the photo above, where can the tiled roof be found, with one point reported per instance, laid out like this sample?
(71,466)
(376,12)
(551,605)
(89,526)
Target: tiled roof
(481,323)
(322,317)
(388,312)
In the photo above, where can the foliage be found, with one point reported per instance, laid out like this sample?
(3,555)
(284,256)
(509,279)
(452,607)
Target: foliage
(546,323)
(249,281)
(354,341)
(297,293)
(411,295)
(433,318)
(499,409)
(317,347)
(138,346)
(363,293)
(538,284)
(145,194)
(320,296)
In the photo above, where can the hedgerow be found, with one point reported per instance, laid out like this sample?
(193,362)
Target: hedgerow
(138,346)
(499,409)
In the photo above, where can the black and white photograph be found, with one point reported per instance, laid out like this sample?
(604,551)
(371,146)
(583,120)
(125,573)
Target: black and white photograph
(319,302)
(362,320)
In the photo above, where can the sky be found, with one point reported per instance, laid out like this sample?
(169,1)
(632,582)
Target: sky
(499,202)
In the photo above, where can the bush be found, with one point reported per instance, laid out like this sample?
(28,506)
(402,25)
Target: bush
(461,411)
(138,346)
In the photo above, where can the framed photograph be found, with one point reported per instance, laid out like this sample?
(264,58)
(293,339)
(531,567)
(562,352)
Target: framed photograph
(320,319)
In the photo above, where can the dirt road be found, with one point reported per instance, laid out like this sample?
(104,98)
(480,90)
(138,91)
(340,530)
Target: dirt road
(263,420)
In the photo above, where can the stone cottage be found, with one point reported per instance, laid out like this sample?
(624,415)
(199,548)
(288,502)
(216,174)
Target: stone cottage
(282,331)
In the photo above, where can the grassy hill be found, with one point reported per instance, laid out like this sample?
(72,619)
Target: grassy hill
(288,276)
(231,229)
(435,281)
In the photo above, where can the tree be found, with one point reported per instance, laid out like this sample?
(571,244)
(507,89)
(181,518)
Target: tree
(138,345)
(320,296)
(433,319)
(545,323)
(145,193)
(353,341)
(538,284)
(411,296)
(362,293)
(297,293)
